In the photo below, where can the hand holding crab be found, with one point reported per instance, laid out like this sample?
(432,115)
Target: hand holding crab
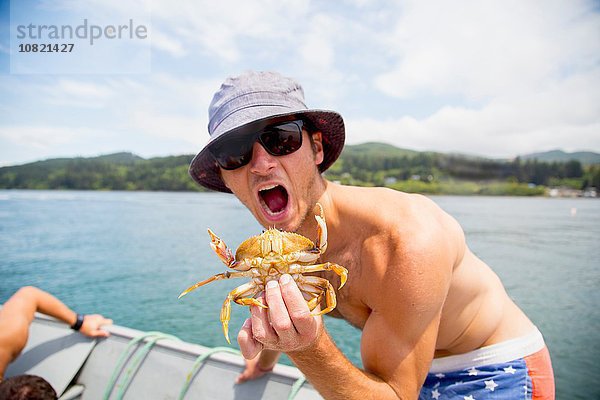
(287,325)
(271,255)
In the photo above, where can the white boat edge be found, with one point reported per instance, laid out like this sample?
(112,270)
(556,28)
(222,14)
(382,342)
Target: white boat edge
(81,368)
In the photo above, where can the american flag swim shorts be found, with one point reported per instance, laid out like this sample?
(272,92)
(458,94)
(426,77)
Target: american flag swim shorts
(515,369)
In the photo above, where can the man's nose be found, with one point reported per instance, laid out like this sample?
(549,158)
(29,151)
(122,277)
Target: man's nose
(262,162)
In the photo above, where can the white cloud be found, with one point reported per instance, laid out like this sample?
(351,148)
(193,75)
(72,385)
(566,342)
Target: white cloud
(119,114)
(218,27)
(76,93)
(565,115)
(532,69)
(484,49)
(45,137)
(317,58)
(167,43)
(317,48)
(174,108)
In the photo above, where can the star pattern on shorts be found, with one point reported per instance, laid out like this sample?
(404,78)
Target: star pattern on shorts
(510,370)
(478,382)
(490,385)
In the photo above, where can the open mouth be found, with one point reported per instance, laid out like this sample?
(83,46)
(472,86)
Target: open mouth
(274,199)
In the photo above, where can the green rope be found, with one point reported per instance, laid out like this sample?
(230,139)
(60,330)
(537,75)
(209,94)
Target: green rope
(296,387)
(152,337)
(198,363)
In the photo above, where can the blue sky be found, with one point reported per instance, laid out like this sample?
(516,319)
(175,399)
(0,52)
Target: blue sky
(481,77)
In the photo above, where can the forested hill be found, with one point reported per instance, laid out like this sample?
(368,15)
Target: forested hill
(365,164)
(119,171)
(584,157)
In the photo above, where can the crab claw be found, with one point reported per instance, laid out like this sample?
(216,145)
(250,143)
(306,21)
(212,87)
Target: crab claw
(341,272)
(219,247)
(321,230)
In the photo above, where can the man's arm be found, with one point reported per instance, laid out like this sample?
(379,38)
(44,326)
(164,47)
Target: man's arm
(395,362)
(18,312)
(399,337)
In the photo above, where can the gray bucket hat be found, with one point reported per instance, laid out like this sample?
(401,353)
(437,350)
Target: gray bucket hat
(256,98)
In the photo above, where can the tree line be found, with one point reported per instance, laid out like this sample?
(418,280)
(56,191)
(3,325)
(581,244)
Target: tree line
(377,170)
(372,164)
(122,171)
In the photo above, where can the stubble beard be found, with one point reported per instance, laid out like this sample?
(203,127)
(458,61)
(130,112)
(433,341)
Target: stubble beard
(311,194)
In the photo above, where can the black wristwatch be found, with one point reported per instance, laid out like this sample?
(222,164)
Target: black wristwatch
(78,323)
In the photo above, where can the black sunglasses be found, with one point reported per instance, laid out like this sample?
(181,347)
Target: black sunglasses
(235,150)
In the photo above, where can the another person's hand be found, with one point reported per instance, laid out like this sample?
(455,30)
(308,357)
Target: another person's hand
(286,326)
(92,323)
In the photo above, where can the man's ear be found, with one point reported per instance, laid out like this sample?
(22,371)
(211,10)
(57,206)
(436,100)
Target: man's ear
(317,143)
(223,179)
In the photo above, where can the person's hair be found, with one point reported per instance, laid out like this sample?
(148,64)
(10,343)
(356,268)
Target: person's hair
(26,387)
(310,130)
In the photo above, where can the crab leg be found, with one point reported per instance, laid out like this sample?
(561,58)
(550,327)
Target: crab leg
(315,301)
(338,269)
(304,256)
(312,294)
(218,277)
(321,242)
(310,283)
(247,289)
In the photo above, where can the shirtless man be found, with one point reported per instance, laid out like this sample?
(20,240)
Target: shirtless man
(436,321)
(18,312)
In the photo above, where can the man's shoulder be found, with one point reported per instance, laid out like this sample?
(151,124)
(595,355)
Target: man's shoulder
(405,223)
(389,209)
(379,198)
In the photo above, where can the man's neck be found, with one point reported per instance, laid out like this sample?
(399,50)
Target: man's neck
(326,199)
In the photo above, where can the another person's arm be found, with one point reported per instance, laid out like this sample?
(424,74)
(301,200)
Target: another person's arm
(18,312)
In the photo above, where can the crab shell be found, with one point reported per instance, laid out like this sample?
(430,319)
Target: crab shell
(273,240)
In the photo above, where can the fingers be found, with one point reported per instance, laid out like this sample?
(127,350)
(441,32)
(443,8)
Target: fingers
(278,312)
(296,306)
(249,346)
(287,324)
(100,333)
(93,323)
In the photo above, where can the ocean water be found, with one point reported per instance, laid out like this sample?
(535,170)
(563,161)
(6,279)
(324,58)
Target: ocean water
(128,255)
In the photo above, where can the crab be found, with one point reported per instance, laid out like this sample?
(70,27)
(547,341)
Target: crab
(266,257)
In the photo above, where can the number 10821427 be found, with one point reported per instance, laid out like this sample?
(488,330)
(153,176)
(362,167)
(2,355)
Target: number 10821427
(46,48)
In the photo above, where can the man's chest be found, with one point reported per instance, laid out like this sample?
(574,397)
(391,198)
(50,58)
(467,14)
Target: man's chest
(350,303)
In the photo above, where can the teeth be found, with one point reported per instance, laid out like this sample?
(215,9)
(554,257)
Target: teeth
(268,187)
